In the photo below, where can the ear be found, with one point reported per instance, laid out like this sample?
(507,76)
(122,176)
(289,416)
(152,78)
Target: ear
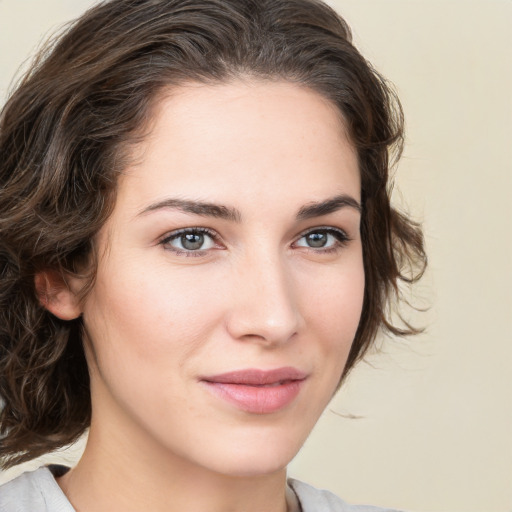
(56,295)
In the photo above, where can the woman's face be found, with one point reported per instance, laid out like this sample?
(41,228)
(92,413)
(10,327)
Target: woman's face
(230,280)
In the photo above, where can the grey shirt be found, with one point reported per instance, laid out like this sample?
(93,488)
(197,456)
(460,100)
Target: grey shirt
(38,491)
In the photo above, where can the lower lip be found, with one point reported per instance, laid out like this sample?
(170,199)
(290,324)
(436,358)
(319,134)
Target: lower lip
(257,399)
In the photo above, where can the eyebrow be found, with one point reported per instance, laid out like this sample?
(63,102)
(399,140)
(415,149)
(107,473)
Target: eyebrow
(328,206)
(206,209)
(197,208)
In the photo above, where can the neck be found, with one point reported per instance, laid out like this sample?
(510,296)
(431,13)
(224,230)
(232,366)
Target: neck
(121,470)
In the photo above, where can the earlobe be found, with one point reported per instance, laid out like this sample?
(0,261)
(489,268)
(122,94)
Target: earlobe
(56,295)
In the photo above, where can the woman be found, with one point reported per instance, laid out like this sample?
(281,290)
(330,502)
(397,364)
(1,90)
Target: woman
(197,245)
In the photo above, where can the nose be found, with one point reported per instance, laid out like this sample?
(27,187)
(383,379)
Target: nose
(264,306)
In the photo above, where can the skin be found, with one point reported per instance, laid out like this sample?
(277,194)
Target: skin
(256,295)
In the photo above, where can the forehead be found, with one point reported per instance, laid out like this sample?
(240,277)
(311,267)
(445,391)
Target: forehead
(241,139)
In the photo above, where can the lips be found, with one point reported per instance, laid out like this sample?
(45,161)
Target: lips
(257,391)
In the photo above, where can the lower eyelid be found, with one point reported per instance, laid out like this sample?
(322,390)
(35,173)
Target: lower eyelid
(188,254)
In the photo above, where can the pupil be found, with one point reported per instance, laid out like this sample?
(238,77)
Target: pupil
(192,241)
(317,239)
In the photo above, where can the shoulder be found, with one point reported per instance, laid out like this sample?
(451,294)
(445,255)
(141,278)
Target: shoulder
(318,500)
(33,491)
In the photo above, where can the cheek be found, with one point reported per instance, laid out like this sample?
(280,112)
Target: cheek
(333,300)
(333,315)
(147,314)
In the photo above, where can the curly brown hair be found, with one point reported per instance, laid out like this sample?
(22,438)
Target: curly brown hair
(64,139)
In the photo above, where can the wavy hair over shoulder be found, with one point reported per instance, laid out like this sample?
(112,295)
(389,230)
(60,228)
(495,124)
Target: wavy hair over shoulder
(64,138)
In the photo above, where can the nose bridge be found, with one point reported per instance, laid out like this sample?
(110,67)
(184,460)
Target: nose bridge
(264,305)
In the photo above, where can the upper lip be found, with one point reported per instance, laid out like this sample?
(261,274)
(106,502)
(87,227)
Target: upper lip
(255,377)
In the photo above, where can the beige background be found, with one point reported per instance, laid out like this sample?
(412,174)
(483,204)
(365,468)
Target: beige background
(434,414)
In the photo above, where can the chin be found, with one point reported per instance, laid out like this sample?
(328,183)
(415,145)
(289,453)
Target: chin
(255,467)
(253,458)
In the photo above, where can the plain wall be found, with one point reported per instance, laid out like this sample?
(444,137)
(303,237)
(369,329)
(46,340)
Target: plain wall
(432,415)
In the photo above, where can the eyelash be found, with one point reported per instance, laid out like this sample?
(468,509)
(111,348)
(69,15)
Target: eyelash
(188,231)
(341,240)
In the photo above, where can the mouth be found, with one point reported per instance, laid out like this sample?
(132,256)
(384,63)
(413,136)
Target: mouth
(257,391)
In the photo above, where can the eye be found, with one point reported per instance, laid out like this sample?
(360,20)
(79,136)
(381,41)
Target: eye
(323,239)
(190,240)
